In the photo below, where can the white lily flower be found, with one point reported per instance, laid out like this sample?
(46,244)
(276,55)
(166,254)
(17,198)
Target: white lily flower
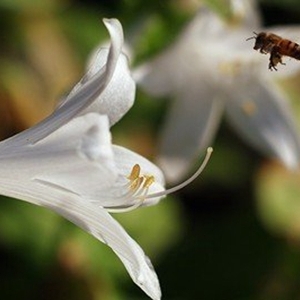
(211,69)
(68,164)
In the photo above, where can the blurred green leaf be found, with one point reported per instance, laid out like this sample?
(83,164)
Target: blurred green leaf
(30,5)
(278,200)
(157,227)
(32,231)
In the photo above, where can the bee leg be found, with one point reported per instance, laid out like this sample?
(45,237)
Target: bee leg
(272,67)
(275,58)
(272,64)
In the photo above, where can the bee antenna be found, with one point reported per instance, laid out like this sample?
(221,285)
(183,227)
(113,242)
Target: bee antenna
(252,37)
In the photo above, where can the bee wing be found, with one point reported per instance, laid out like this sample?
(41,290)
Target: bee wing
(287,32)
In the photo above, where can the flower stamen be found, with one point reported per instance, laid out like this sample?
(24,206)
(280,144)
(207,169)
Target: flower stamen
(149,180)
(139,186)
(135,172)
(138,189)
(135,184)
(187,181)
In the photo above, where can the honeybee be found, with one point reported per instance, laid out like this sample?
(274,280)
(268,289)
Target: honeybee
(277,47)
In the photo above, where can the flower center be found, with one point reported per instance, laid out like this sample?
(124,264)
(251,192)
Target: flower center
(139,184)
(137,190)
(137,180)
(230,68)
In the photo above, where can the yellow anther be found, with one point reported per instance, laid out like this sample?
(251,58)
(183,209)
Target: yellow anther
(148,181)
(139,181)
(136,183)
(249,108)
(232,68)
(135,172)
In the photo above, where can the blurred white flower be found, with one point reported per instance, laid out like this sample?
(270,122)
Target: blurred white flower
(211,69)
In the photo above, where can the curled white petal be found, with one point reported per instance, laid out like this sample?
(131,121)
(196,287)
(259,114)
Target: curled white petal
(84,96)
(119,95)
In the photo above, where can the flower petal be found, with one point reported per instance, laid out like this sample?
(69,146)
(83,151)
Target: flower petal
(121,195)
(125,159)
(189,129)
(96,221)
(85,163)
(102,226)
(119,95)
(247,12)
(260,113)
(83,97)
(78,157)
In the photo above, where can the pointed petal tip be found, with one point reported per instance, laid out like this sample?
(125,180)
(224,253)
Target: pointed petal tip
(150,284)
(290,159)
(111,21)
(114,25)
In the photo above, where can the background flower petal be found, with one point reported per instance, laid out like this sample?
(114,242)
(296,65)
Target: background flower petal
(189,129)
(170,70)
(260,114)
(247,13)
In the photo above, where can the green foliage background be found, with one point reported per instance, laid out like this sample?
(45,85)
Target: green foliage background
(233,234)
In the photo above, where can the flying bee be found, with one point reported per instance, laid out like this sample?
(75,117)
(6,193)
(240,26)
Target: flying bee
(277,47)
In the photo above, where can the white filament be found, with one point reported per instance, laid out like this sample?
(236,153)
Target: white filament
(187,181)
(141,192)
